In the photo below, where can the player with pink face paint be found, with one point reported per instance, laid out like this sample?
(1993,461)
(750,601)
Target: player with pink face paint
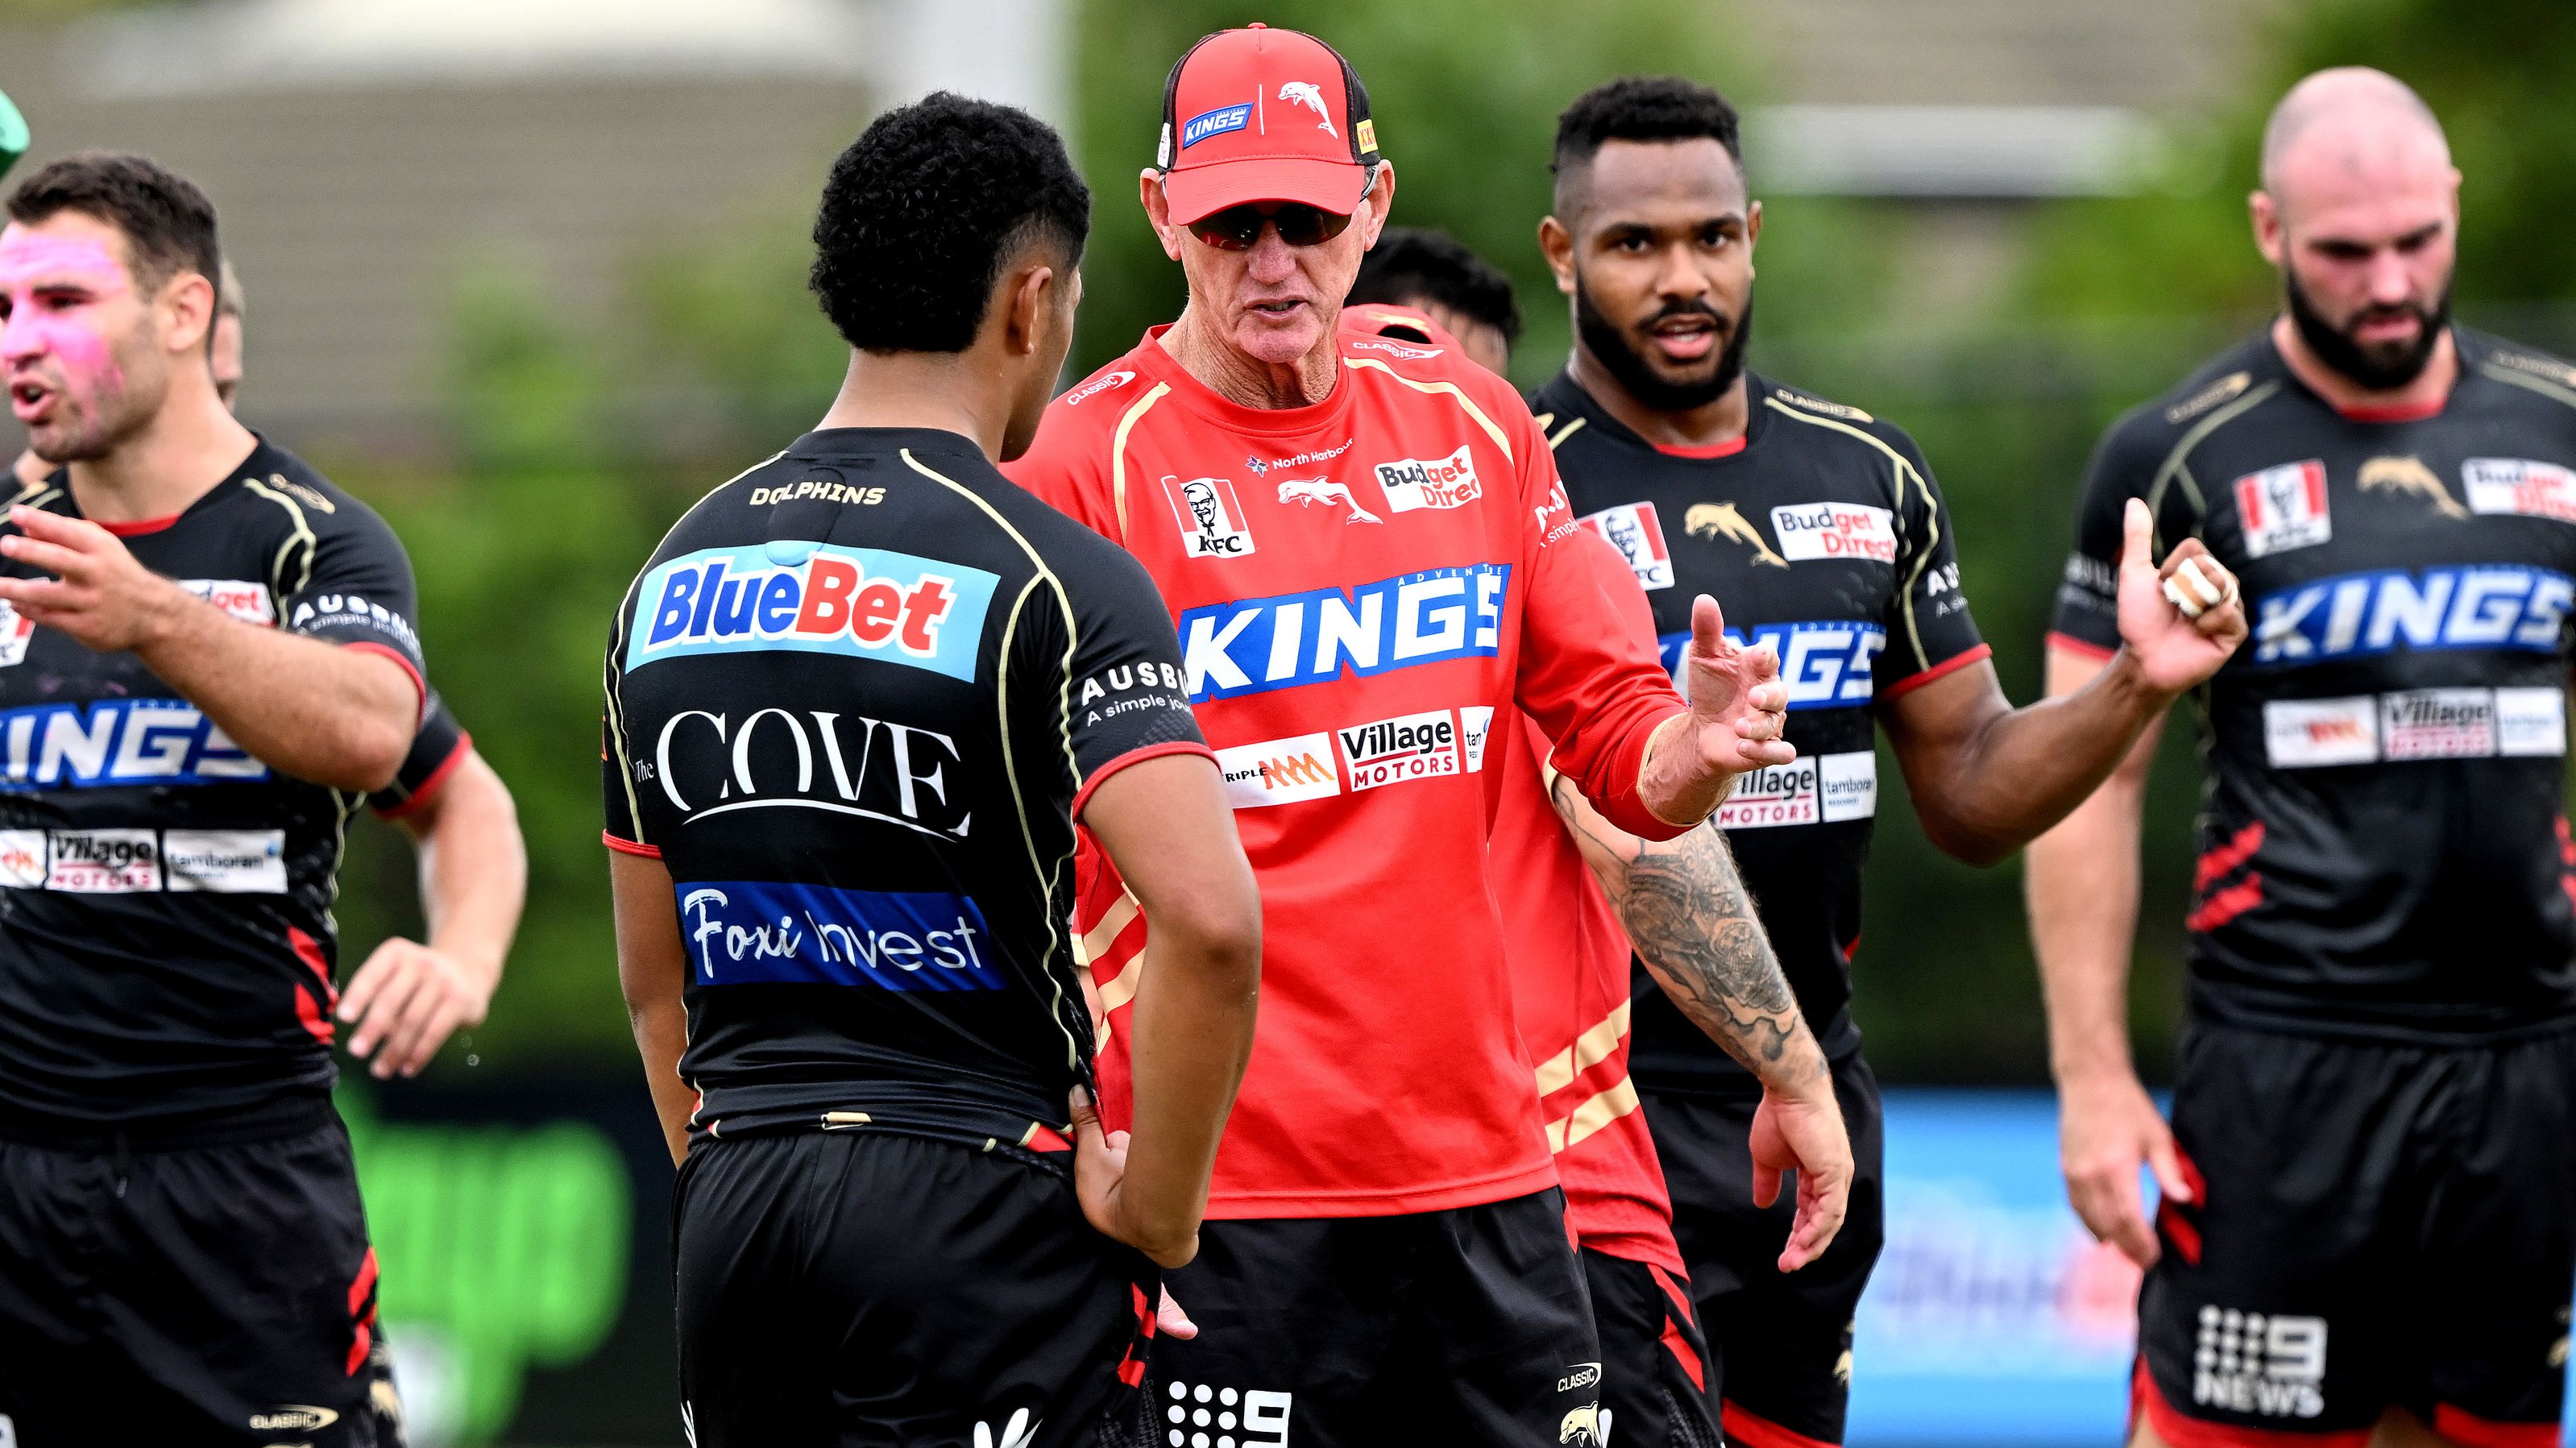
(206,658)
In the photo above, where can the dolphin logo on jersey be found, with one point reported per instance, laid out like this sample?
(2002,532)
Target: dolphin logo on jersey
(1720,520)
(1583,1427)
(1309,95)
(1310,491)
(2409,475)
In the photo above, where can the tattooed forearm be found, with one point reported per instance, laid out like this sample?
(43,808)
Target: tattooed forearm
(1693,924)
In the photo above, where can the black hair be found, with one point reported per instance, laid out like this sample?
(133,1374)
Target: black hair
(1642,108)
(1413,265)
(924,210)
(168,223)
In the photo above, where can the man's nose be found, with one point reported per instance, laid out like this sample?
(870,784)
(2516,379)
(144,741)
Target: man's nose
(1273,260)
(2391,282)
(1681,275)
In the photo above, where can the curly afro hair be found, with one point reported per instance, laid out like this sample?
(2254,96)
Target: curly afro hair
(1643,108)
(1413,265)
(925,209)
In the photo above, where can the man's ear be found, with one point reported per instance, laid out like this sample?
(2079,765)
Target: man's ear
(1031,303)
(1556,243)
(1381,201)
(185,311)
(1158,210)
(2266,214)
(1752,225)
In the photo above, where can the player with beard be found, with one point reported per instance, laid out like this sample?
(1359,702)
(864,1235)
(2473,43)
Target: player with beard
(2368,1222)
(1820,529)
(206,663)
(1367,556)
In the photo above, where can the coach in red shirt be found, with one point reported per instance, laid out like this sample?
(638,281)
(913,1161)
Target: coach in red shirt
(1356,538)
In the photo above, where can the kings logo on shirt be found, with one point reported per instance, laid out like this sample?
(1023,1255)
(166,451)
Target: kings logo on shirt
(1255,645)
(2284,507)
(861,602)
(1634,530)
(1210,516)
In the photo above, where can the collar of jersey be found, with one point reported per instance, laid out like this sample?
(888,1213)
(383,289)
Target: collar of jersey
(1756,417)
(2374,415)
(856,442)
(262,459)
(1207,402)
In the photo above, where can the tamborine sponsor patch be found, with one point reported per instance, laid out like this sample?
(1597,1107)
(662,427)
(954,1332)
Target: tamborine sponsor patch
(131,861)
(1814,789)
(1835,530)
(864,603)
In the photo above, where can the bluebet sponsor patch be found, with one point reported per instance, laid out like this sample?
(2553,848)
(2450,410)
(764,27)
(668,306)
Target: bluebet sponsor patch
(117,742)
(772,932)
(1826,665)
(863,603)
(1254,645)
(2462,606)
(1215,123)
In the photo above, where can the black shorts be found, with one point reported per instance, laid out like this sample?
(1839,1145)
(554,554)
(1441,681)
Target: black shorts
(1780,1344)
(2378,1226)
(1654,1364)
(869,1287)
(214,1294)
(1463,1326)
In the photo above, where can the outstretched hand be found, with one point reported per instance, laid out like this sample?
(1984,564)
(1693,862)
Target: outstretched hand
(1738,703)
(2182,620)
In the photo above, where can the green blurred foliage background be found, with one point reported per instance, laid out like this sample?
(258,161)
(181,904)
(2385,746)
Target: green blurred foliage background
(574,447)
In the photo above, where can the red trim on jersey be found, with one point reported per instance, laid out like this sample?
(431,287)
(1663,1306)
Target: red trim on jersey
(2471,1431)
(630,847)
(2401,412)
(314,1012)
(362,1293)
(420,686)
(137,527)
(1043,1137)
(310,1015)
(2178,1228)
(1950,665)
(1082,797)
(2074,645)
(2187,1432)
(1672,1335)
(2225,905)
(1701,451)
(2223,859)
(1754,1431)
(1131,1368)
(437,781)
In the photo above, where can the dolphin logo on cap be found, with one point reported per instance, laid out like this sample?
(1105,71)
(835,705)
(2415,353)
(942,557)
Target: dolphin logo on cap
(1309,95)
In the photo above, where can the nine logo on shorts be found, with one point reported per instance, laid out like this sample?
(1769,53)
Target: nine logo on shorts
(2250,1362)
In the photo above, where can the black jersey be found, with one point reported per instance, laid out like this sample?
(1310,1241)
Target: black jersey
(167,953)
(1824,535)
(855,702)
(2383,851)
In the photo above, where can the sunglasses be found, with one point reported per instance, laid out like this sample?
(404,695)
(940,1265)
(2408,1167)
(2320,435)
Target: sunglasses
(1238,228)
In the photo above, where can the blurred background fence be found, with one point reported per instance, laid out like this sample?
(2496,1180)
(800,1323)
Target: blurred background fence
(528,276)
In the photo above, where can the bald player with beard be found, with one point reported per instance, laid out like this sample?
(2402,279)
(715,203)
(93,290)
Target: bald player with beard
(2368,1225)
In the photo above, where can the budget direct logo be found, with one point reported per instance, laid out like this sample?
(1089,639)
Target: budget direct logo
(858,602)
(1412,483)
(2520,486)
(1835,530)
(2475,606)
(1255,645)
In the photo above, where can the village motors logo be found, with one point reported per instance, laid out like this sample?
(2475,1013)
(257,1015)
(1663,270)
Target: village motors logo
(1411,483)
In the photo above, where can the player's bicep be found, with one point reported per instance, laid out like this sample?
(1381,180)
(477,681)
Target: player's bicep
(1124,696)
(356,590)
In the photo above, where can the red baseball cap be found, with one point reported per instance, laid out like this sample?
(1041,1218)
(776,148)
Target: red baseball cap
(1264,115)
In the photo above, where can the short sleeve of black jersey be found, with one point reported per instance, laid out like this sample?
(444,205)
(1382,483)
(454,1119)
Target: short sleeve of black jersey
(2123,467)
(357,588)
(1128,698)
(1929,628)
(621,812)
(436,750)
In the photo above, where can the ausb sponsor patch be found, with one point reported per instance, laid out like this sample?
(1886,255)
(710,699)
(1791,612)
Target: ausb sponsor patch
(863,603)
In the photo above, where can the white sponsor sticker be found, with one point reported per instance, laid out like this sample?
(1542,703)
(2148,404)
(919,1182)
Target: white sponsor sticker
(16,632)
(1814,789)
(1210,517)
(1406,747)
(22,859)
(2306,733)
(233,862)
(1411,483)
(1835,530)
(2520,486)
(103,862)
(1279,771)
(242,598)
(2531,721)
(2437,724)
(2284,507)
(1633,529)
(1475,725)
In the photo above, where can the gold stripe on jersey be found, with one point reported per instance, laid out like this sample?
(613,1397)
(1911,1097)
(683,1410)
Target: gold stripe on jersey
(1095,942)
(1594,1114)
(1589,1050)
(2528,381)
(1118,451)
(303,534)
(1896,518)
(1557,439)
(1450,388)
(1064,727)
(2177,468)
